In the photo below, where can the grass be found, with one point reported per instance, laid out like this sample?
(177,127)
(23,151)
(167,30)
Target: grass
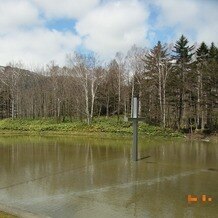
(6,215)
(99,125)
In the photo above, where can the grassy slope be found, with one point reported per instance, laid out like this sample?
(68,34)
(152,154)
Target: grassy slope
(6,215)
(99,125)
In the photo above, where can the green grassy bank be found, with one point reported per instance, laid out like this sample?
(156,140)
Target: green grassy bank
(6,215)
(98,126)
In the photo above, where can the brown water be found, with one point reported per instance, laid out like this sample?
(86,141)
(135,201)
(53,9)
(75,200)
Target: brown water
(87,177)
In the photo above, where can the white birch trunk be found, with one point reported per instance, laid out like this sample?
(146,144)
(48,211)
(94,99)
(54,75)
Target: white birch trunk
(12,107)
(93,91)
(199,99)
(164,104)
(87,99)
(160,91)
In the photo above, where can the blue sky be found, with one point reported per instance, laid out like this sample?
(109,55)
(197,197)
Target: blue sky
(38,31)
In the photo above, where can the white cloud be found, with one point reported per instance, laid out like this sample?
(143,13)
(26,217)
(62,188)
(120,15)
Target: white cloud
(16,14)
(103,26)
(114,26)
(23,35)
(177,12)
(190,17)
(66,8)
(38,46)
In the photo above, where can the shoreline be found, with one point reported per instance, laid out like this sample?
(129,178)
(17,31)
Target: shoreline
(100,128)
(18,213)
(106,135)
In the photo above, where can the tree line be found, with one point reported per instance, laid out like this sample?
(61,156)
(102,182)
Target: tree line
(176,85)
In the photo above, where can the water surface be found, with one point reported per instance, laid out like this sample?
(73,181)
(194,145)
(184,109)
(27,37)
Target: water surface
(95,177)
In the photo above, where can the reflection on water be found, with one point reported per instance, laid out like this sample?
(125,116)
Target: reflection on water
(85,177)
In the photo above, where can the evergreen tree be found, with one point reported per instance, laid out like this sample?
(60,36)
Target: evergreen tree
(183,52)
(213,52)
(202,52)
(183,56)
(212,87)
(201,66)
(158,67)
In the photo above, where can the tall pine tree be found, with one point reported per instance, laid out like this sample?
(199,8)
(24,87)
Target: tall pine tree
(201,64)
(212,87)
(158,67)
(183,56)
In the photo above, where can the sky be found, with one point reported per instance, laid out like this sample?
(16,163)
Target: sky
(39,31)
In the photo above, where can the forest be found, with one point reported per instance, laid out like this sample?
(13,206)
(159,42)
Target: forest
(176,84)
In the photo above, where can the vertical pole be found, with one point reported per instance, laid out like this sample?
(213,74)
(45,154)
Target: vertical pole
(135,141)
(135,130)
(135,108)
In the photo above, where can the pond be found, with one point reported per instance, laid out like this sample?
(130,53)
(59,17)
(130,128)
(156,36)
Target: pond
(95,177)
